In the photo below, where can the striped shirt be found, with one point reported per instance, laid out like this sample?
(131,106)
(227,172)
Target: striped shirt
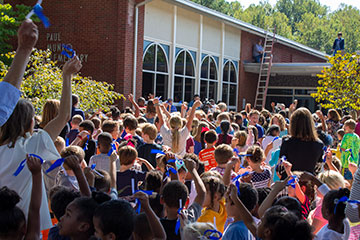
(261,180)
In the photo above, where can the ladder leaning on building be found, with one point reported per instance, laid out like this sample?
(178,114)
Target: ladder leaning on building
(265,69)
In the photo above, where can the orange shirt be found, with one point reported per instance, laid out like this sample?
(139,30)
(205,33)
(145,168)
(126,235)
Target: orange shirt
(207,156)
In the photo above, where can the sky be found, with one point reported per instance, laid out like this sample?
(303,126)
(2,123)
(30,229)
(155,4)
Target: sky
(333,4)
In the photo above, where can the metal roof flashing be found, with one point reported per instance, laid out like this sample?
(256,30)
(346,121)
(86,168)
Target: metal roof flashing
(245,26)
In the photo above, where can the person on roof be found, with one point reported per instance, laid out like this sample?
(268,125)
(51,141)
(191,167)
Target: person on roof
(339,44)
(258,51)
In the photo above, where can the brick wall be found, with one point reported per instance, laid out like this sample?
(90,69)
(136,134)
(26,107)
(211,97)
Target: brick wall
(101,32)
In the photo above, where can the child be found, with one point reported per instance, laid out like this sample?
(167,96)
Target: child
(224,137)
(338,227)
(340,135)
(239,141)
(101,160)
(97,124)
(128,155)
(149,133)
(271,142)
(130,125)
(199,137)
(75,122)
(111,127)
(77,222)
(248,196)
(223,154)
(350,141)
(260,175)
(84,139)
(214,206)
(12,218)
(207,155)
(114,220)
(176,136)
(66,176)
(224,116)
(173,192)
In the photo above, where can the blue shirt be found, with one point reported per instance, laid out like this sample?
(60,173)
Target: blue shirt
(260,131)
(9,97)
(238,231)
(77,111)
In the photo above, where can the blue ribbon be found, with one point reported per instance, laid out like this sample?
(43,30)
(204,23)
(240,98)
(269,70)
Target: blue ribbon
(237,180)
(95,171)
(156,151)
(113,148)
(170,169)
(86,144)
(22,164)
(67,142)
(123,134)
(292,182)
(283,158)
(276,138)
(344,199)
(38,10)
(137,201)
(64,52)
(177,226)
(213,232)
(56,164)
(179,163)
(241,155)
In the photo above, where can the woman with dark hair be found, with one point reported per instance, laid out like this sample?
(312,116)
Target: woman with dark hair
(333,124)
(303,149)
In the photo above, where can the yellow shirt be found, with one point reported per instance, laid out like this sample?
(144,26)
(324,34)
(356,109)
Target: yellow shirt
(208,215)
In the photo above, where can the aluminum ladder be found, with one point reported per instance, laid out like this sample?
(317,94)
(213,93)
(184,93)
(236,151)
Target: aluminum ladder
(265,70)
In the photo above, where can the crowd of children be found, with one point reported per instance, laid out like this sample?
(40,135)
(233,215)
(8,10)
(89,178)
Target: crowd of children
(157,172)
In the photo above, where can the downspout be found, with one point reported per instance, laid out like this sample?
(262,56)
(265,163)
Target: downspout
(135,42)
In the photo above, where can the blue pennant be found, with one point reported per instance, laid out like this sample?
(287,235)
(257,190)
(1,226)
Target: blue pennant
(213,232)
(38,10)
(156,151)
(68,48)
(23,162)
(56,164)
(113,148)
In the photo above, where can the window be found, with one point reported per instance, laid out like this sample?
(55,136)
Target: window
(209,79)
(155,72)
(229,90)
(184,84)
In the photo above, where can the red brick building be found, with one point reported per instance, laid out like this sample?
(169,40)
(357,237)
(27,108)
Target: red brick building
(175,48)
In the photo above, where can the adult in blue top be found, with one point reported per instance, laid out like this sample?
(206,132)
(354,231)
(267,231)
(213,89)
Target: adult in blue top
(74,109)
(169,106)
(253,120)
(258,51)
(196,97)
(339,44)
(27,37)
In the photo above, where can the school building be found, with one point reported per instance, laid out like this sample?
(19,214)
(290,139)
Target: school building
(175,49)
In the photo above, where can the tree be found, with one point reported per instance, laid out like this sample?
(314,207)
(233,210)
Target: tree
(42,81)
(10,20)
(339,85)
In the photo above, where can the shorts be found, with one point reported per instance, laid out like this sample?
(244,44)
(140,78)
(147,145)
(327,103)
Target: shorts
(347,174)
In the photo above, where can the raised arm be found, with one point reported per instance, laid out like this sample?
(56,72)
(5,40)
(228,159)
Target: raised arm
(146,163)
(73,163)
(229,166)
(158,111)
(54,127)
(199,185)
(165,111)
(192,114)
(27,38)
(136,106)
(154,222)
(113,159)
(33,226)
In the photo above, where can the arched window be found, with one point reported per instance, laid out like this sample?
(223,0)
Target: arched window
(184,85)
(209,79)
(155,72)
(229,90)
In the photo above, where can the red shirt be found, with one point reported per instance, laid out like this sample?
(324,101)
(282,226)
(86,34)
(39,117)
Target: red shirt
(207,156)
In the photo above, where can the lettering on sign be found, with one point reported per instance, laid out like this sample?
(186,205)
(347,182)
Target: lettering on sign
(55,45)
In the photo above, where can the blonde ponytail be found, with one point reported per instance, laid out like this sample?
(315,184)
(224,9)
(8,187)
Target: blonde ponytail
(175,124)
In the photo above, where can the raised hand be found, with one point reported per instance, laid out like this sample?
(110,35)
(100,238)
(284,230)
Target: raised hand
(34,164)
(197,104)
(28,35)
(72,162)
(190,164)
(72,66)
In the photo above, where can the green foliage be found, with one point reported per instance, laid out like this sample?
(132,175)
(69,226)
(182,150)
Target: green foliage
(305,21)
(42,81)
(10,20)
(339,85)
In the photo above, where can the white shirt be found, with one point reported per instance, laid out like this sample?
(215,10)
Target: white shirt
(183,134)
(102,162)
(276,145)
(327,234)
(40,144)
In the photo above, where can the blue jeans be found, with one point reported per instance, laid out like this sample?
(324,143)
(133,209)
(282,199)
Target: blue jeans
(258,58)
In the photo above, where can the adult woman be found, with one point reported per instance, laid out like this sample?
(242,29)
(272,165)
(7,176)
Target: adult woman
(302,149)
(333,124)
(18,139)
